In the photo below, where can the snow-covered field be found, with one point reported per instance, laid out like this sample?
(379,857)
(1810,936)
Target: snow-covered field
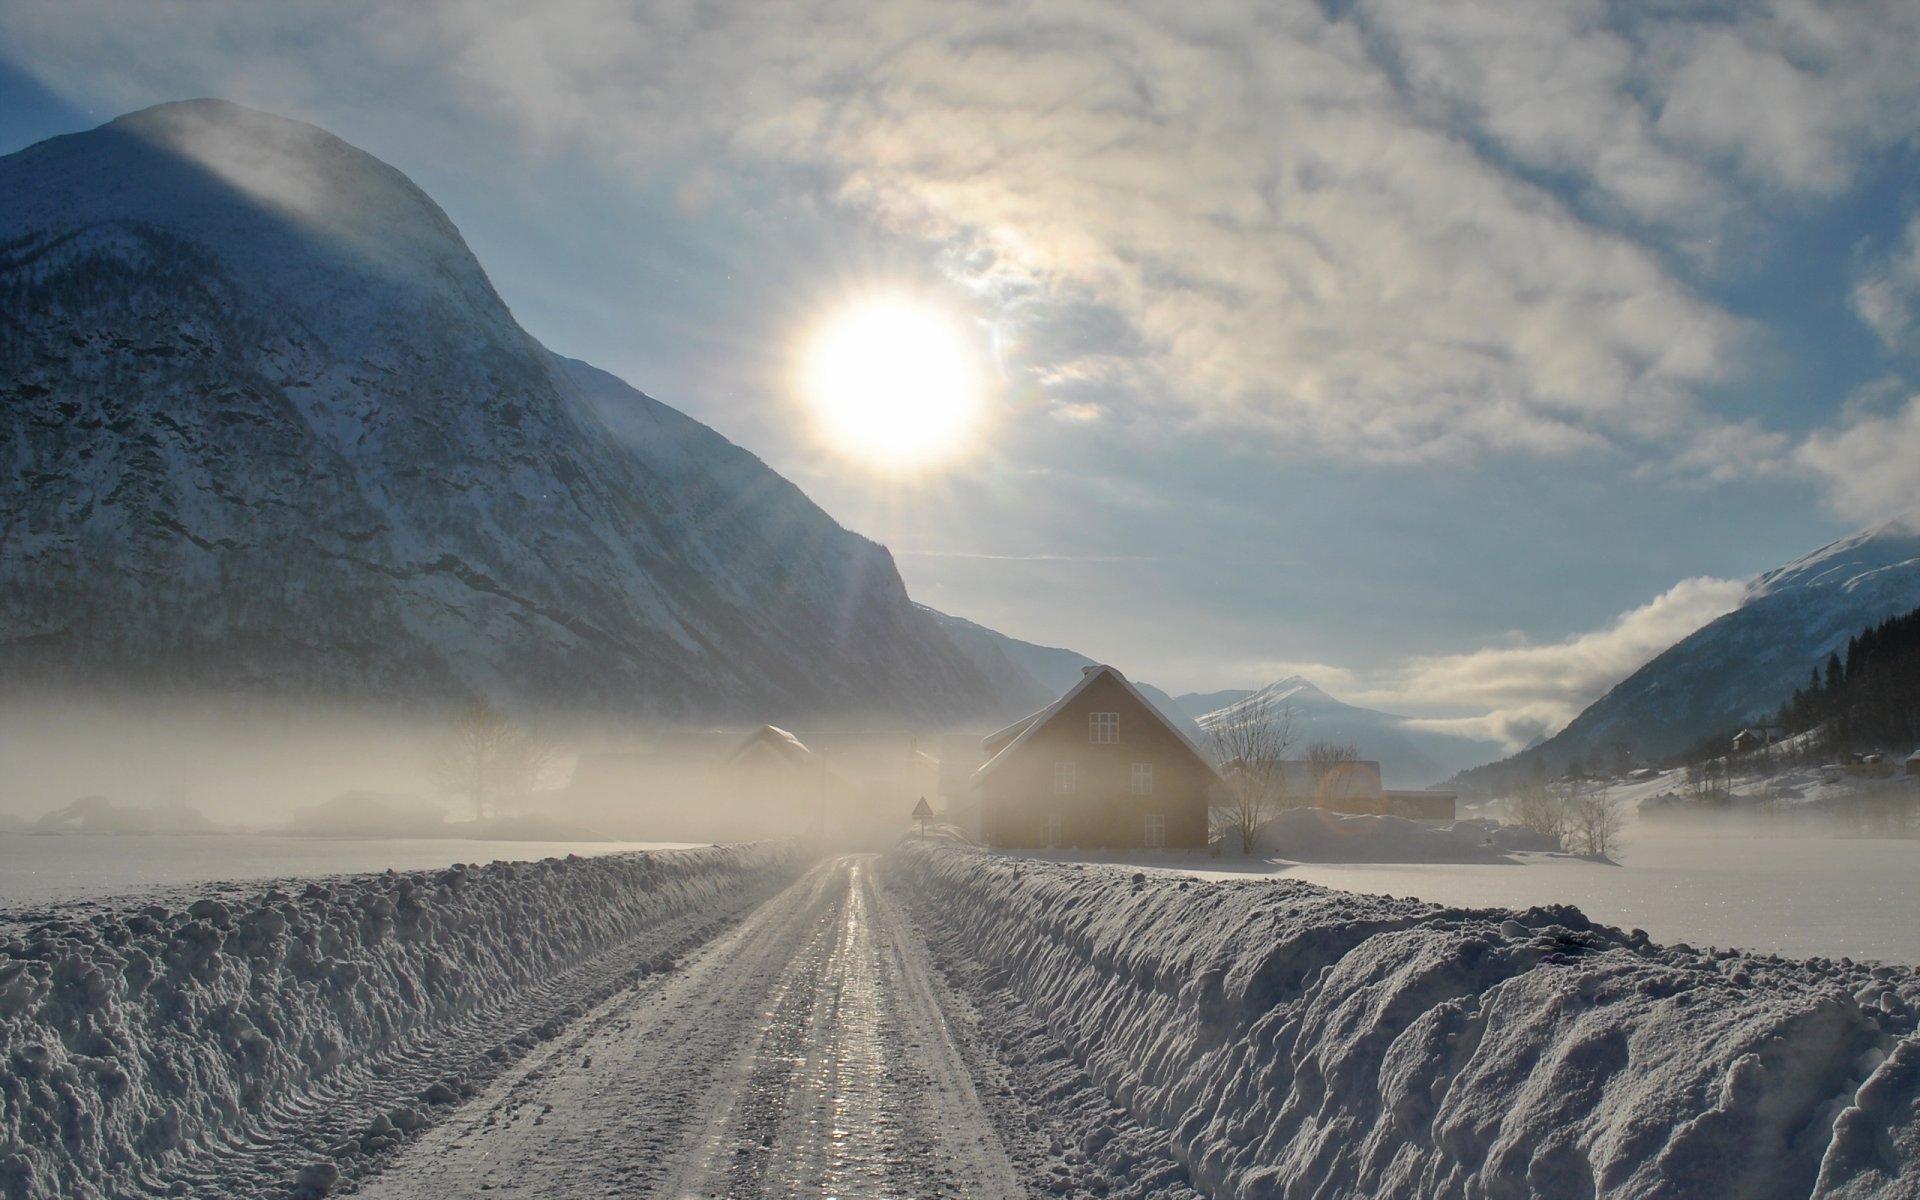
(1296,1042)
(939,1021)
(1779,885)
(272,1040)
(1790,892)
(47,870)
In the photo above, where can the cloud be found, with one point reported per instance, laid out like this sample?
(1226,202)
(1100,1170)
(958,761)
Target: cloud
(1416,231)
(1868,464)
(1300,232)
(1527,690)
(1887,290)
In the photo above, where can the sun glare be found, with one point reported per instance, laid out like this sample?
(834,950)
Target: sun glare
(894,383)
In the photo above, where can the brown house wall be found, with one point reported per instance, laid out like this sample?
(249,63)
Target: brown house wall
(1101,810)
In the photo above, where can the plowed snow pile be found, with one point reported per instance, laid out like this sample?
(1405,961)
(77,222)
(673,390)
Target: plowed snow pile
(1301,1042)
(271,1044)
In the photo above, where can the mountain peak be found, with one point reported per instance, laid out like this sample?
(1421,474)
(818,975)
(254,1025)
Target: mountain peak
(1851,562)
(293,214)
(1294,685)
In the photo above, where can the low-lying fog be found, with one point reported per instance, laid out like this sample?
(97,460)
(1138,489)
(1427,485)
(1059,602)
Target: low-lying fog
(102,779)
(280,791)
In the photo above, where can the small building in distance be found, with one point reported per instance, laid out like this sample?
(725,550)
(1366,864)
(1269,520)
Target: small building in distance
(1353,788)
(1099,767)
(1913,763)
(1755,737)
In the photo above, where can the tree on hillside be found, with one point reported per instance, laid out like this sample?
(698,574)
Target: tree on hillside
(489,760)
(1250,745)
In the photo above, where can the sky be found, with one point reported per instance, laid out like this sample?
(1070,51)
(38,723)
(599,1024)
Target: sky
(1457,355)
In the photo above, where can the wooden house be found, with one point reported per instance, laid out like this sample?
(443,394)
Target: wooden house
(1099,767)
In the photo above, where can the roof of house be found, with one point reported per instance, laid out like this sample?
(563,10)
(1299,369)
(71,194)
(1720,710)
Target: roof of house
(782,744)
(1003,743)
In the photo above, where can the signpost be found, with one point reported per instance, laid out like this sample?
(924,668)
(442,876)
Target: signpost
(921,812)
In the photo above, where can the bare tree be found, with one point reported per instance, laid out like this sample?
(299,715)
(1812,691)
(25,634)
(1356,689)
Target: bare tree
(1330,765)
(1250,743)
(1593,821)
(1538,807)
(490,760)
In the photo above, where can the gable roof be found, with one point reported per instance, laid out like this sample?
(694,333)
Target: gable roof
(1012,737)
(777,741)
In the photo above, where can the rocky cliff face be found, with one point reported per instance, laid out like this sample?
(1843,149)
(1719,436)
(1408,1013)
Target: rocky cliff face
(268,426)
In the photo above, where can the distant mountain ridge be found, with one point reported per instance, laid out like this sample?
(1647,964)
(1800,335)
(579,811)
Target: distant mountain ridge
(1409,756)
(1041,674)
(1741,667)
(269,427)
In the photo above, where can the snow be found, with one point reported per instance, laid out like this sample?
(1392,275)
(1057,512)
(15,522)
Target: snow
(285,1037)
(1314,835)
(1297,1041)
(36,871)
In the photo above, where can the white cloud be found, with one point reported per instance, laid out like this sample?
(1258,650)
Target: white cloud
(1724,453)
(1525,690)
(1294,218)
(1887,290)
(1301,253)
(1868,464)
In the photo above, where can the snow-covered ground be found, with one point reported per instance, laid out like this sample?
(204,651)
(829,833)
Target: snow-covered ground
(38,871)
(1294,1041)
(276,1040)
(938,1021)
(803,1052)
(1792,881)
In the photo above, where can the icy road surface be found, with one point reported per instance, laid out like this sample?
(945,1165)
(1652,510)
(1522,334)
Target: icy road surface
(803,1052)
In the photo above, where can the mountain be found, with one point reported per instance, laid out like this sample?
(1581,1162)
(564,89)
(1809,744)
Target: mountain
(1199,704)
(268,427)
(1040,674)
(1740,668)
(1409,756)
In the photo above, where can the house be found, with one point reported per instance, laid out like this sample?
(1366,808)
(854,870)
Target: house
(1913,763)
(708,785)
(1754,737)
(1099,767)
(1354,788)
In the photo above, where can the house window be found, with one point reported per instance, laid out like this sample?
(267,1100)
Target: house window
(1143,779)
(1063,778)
(1156,829)
(1050,830)
(1103,727)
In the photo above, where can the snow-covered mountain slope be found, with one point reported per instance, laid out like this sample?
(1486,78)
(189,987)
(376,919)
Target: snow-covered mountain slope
(1199,704)
(1741,667)
(268,425)
(1040,674)
(1409,756)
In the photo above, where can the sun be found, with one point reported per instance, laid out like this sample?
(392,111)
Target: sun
(894,383)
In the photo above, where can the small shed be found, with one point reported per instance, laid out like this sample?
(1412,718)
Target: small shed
(1913,763)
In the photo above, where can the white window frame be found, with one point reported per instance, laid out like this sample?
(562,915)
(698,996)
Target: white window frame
(1140,779)
(1103,728)
(1064,778)
(1156,830)
(1050,830)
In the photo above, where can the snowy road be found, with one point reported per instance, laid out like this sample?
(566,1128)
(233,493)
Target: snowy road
(804,1052)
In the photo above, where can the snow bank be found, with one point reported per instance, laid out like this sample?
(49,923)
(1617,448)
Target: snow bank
(1302,1042)
(147,1051)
